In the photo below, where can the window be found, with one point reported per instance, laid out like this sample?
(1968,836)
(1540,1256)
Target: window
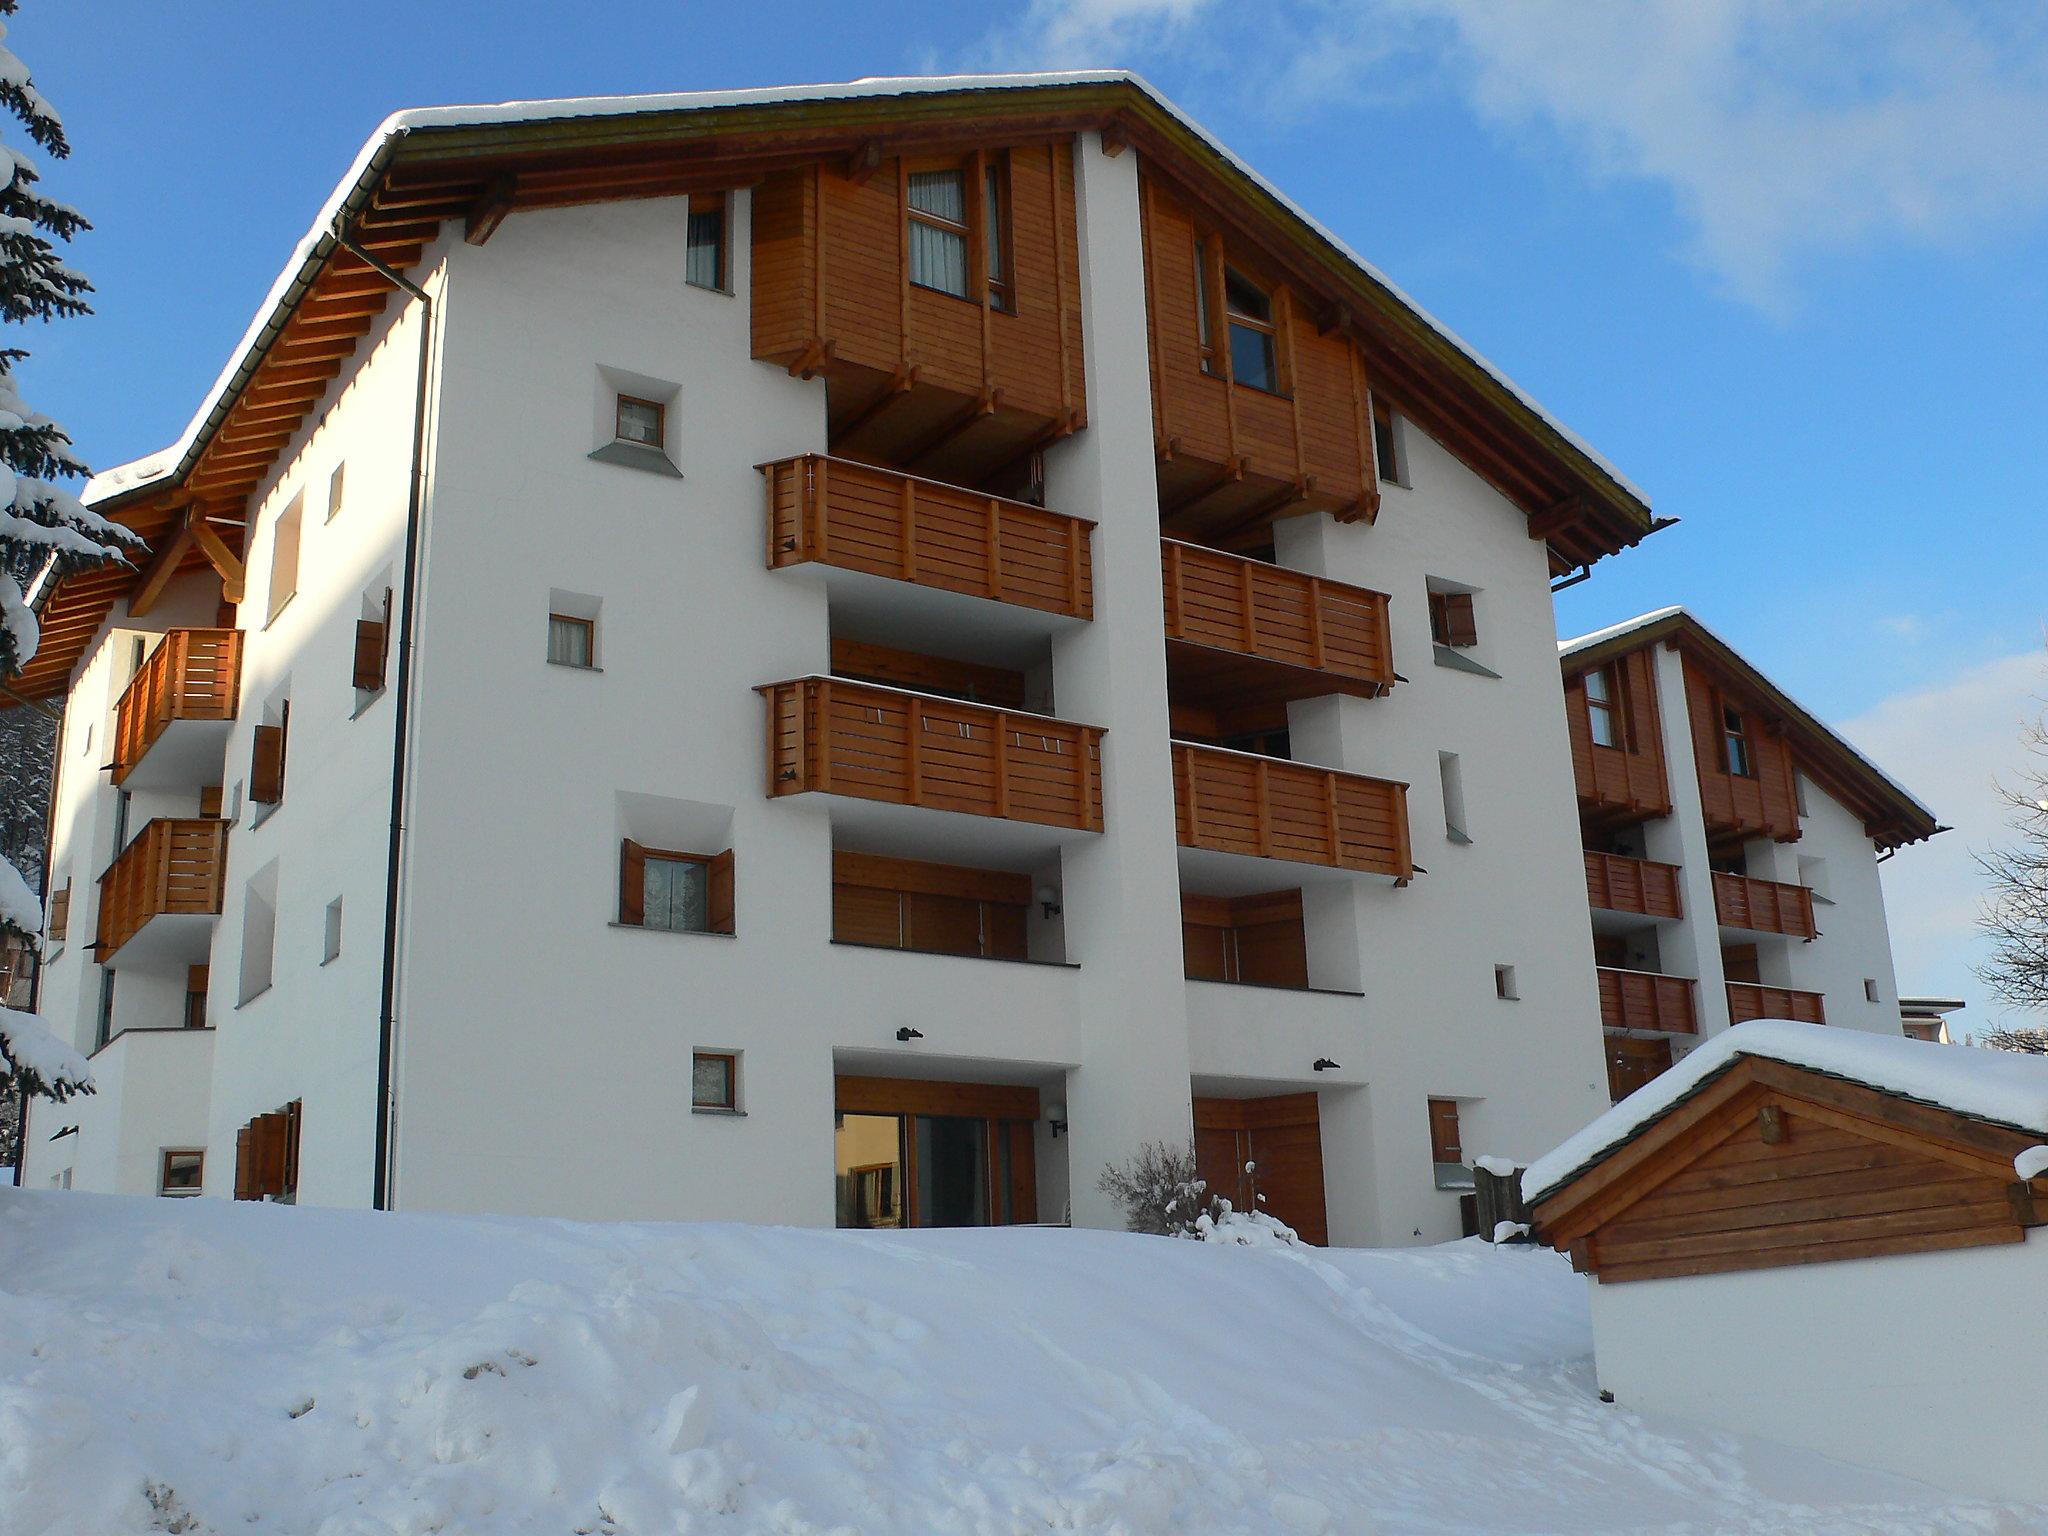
(1250,309)
(195,996)
(995,234)
(714,1080)
(182,1171)
(1870,989)
(1446,1149)
(1504,983)
(267,754)
(373,643)
(330,943)
(943,909)
(1735,743)
(675,892)
(640,422)
(284,555)
(572,642)
(1451,620)
(1603,708)
(704,248)
(103,1023)
(1385,445)
(334,488)
(259,933)
(938,231)
(1203,328)
(1451,773)
(60,912)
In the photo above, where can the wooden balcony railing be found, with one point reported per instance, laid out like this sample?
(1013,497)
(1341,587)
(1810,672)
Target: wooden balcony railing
(861,518)
(845,738)
(1616,883)
(1764,906)
(173,865)
(194,674)
(1646,1000)
(1239,802)
(1274,614)
(1747,1000)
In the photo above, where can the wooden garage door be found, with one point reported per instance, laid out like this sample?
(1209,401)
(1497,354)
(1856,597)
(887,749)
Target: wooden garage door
(1284,1137)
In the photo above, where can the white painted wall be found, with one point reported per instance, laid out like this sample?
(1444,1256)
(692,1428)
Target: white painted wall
(1928,1365)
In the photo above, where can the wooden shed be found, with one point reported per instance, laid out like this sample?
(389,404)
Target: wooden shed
(1827,1237)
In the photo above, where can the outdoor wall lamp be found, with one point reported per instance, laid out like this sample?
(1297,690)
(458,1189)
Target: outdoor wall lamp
(1056,1119)
(1049,901)
(906,1033)
(1324,1064)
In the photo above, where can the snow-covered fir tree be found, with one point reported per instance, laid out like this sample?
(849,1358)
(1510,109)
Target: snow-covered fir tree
(40,521)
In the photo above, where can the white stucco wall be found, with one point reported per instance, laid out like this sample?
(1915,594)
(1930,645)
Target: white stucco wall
(1929,1365)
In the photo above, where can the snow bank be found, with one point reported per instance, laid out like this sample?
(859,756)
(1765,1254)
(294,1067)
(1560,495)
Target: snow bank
(2001,1086)
(43,1063)
(211,1367)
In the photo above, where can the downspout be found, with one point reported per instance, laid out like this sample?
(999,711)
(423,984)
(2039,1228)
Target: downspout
(387,1018)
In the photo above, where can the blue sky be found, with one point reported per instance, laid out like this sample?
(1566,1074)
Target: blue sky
(1786,266)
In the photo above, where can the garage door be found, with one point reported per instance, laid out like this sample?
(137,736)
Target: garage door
(1283,1138)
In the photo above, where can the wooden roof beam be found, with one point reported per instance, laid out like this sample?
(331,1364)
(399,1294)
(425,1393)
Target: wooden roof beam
(163,565)
(490,208)
(233,578)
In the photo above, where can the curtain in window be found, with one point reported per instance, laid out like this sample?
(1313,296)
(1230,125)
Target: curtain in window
(938,255)
(568,642)
(677,895)
(704,254)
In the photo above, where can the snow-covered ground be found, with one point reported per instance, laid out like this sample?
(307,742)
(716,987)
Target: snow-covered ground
(199,1366)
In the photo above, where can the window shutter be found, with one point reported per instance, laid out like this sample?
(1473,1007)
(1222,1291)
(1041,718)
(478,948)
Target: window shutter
(1444,1145)
(721,893)
(268,1136)
(288,1177)
(266,769)
(60,912)
(1459,623)
(370,654)
(209,801)
(632,884)
(245,1163)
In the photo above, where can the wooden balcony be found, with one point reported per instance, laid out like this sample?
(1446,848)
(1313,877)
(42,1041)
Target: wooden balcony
(1764,906)
(175,867)
(1647,1000)
(1747,1000)
(1269,808)
(1244,634)
(858,517)
(1615,883)
(193,674)
(831,736)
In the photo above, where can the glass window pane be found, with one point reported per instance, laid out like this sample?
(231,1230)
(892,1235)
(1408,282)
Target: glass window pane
(1251,357)
(676,892)
(568,641)
(711,1082)
(1596,686)
(938,258)
(639,422)
(1601,718)
(1245,297)
(868,1155)
(943,194)
(1202,291)
(952,1171)
(704,257)
(182,1172)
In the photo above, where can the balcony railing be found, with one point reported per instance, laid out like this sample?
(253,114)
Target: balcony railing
(1616,883)
(1747,1000)
(1646,1000)
(1269,808)
(194,674)
(1764,906)
(838,737)
(1270,613)
(173,865)
(861,518)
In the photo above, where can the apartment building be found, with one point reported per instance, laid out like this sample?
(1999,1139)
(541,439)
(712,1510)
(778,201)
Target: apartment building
(848,654)
(1732,844)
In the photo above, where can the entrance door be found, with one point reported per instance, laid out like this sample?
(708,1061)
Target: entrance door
(919,1154)
(1282,1138)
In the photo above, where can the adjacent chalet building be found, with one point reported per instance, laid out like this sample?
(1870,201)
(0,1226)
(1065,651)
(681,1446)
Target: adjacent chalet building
(1731,847)
(849,654)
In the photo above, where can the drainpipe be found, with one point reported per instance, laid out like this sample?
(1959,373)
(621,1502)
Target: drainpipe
(387,1018)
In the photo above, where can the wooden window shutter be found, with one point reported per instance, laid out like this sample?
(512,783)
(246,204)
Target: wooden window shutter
(632,884)
(60,912)
(1461,629)
(245,1163)
(266,769)
(371,636)
(1444,1143)
(270,1153)
(720,903)
(209,801)
(288,1175)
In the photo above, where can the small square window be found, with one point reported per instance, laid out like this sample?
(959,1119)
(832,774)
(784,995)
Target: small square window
(330,947)
(334,488)
(182,1173)
(714,1080)
(1870,989)
(572,642)
(1452,620)
(1504,983)
(640,422)
(677,895)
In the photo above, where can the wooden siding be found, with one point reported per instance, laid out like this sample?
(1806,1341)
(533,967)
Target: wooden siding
(1615,883)
(1233,456)
(1257,939)
(1623,784)
(1270,613)
(863,661)
(1237,802)
(1747,1000)
(1646,1000)
(916,374)
(837,737)
(1737,806)
(193,674)
(1764,906)
(173,865)
(934,908)
(859,517)
(1770,1165)
(1282,1137)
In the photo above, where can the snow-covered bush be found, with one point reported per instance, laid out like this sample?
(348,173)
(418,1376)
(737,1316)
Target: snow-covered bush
(1160,1191)
(1245,1229)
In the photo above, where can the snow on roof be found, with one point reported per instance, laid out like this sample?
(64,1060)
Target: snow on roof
(1656,616)
(140,473)
(2001,1086)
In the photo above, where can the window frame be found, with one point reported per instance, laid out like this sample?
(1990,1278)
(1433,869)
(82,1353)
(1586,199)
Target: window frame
(1609,707)
(1738,753)
(972,279)
(620,401)
(292,521)
(998,262)
(1267,330)
(1450,1173)
(731,1059)
(589,629)
(707,205)
(691,860)
(1386,445)
(163,1173)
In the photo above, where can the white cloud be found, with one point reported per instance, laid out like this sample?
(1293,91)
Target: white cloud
(1950,744)
(1785,130)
